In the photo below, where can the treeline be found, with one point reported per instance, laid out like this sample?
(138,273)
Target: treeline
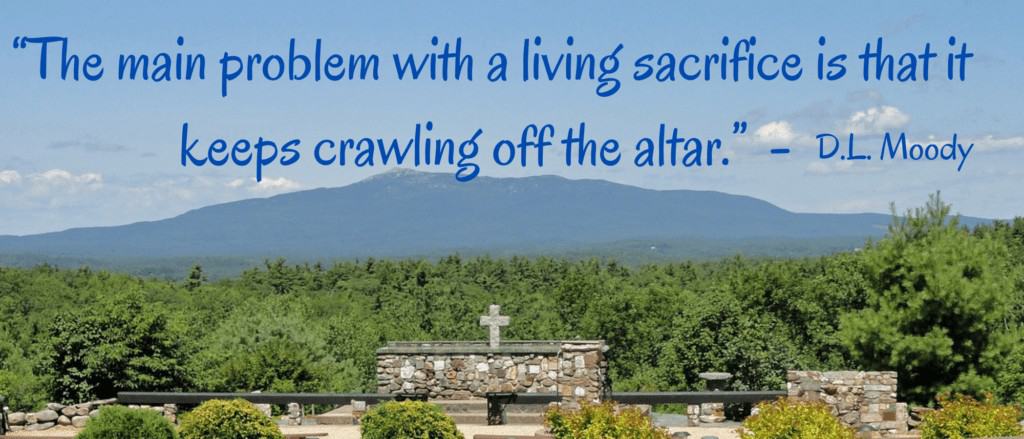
(938,303)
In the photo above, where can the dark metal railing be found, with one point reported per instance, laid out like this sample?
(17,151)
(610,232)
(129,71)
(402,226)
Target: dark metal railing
(496,402)
(264,398)
(751,397)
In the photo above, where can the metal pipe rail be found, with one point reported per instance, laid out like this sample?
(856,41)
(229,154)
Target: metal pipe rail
(695,397)
(264,398)
(496,402)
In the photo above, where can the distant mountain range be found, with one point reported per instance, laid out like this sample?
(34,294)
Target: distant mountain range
(414,214)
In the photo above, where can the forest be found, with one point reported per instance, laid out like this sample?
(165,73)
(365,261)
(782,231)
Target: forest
(938,302)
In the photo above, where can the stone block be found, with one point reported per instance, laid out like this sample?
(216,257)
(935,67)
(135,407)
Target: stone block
(48,415)
(41,426)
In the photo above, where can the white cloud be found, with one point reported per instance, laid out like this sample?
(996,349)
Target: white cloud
(62,177)
(775,132)
(9,177)
(993,143)
(278,184)
(876,120)
(56,182)
(267,185)
(52,189)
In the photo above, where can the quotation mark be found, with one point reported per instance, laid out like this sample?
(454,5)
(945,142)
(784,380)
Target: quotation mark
(20,42)
(739,127)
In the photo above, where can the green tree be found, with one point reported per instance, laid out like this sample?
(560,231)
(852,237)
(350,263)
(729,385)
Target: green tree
(269,344)
(714,333)
(123,343)
(936,306)
(196,278)
(22,389)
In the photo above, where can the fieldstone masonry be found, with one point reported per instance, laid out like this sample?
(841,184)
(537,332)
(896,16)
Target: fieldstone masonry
(577,370)
(462,370)
(865,401)
(73,415)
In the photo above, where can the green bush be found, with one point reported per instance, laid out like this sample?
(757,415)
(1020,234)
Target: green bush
(408,420)
(964,417)
(236,419)
(607,420)
(118,422)
(785,419)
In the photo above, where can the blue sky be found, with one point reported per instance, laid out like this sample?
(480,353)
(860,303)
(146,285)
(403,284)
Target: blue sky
(106,152)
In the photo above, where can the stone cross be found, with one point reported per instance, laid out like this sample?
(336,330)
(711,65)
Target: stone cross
(495,322)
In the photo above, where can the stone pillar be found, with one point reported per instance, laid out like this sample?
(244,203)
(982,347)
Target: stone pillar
(714,412)
(171,413)
(266,409)
(693,414)
(581,375)
(358,409)
(865,401)
(294,414)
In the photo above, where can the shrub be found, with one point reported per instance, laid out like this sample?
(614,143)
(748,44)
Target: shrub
(606,420)
(236,419)
(118,422)
(785,419)
(408,420)
(965,417)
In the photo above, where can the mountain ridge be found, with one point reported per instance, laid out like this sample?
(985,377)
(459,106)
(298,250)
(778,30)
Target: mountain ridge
(417,214)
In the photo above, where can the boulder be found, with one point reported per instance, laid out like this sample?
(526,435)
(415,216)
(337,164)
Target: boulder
(63,420)
(47,416)
(68,411)
(40,426)
(79,421)
(16,418)
(54,406)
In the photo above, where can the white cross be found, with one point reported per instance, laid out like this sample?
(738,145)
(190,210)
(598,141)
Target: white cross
(495,322)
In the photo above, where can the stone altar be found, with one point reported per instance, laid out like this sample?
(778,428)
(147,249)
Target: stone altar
(575,369)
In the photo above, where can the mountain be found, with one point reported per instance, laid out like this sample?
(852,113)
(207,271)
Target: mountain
(407,214)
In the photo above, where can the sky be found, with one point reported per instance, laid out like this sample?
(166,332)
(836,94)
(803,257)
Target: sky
(108,152)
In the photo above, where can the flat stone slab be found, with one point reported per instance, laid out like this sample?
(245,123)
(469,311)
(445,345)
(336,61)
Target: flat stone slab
(478,347)
(715,376)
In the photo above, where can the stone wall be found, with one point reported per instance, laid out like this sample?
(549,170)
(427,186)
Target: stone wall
(75,415)
(865,401)
(463,370)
